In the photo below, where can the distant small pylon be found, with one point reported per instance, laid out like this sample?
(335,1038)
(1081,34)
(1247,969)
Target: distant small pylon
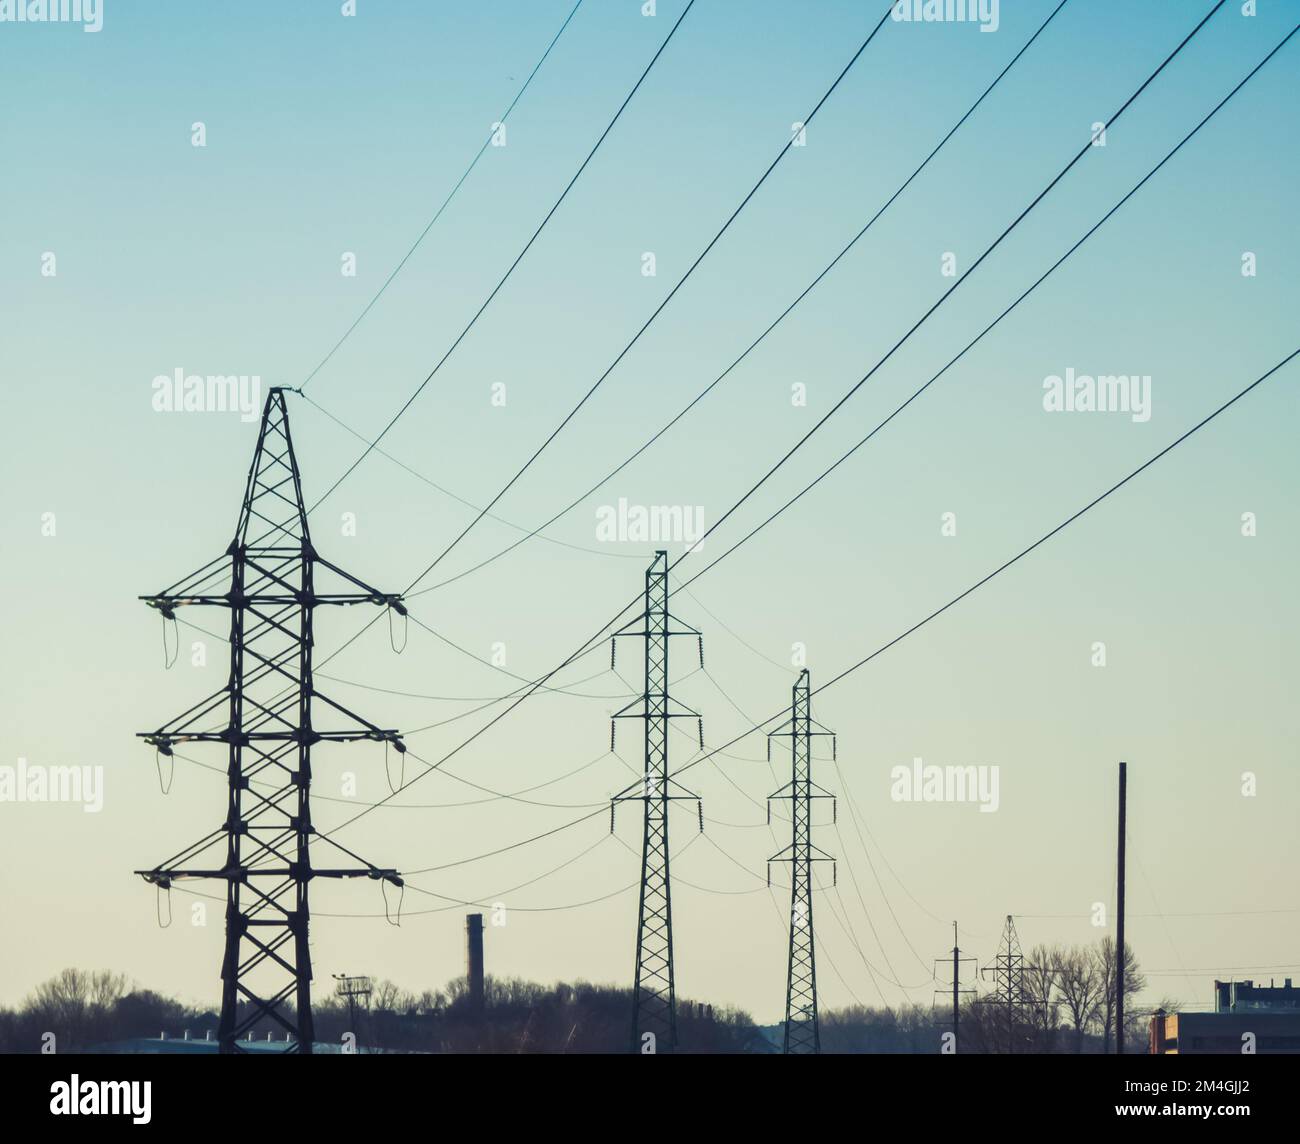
(1010,994)
(802,1032)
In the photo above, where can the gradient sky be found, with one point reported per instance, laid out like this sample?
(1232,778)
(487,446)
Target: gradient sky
(328,134)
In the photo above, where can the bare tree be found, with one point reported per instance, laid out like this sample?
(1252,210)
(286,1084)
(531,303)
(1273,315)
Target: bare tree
(1106,965)
(1042,1013)
(1078,985)
(76,1005)
(107,988)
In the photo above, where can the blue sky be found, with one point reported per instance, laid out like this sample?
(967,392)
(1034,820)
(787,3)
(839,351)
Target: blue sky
(328,134)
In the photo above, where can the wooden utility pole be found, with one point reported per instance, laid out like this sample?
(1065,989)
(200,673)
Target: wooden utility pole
(957,990)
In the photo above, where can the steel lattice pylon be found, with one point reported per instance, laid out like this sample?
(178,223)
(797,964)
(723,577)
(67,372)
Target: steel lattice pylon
(654,999)
(1010,994)
(801,1031)
(268,711)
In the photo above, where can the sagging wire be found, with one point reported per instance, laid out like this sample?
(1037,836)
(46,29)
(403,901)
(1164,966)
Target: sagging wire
(163,890)
(170,658)
(164,785)
(406,628)
(401,897)
(388,774)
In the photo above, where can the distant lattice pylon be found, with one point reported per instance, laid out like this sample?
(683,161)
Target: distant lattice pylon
(1011,996)
(802,1033)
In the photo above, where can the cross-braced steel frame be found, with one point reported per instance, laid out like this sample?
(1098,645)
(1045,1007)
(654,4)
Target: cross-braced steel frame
(654,998)
(268,716)
(1011,996)
(801,1030)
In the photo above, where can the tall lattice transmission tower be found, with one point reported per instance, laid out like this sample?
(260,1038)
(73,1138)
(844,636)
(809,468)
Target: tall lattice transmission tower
(654,996)
(1011,996)
(269,715)
(801,1030)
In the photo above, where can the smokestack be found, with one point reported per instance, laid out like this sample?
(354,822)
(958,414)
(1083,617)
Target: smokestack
(474,958)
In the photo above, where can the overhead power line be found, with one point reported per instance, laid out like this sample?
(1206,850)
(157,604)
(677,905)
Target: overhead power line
(539,530)
(996,321)
(505,115)
(588,645)
(518,259)
(789,143)
(424,479)
(1038,198)
(1020,555)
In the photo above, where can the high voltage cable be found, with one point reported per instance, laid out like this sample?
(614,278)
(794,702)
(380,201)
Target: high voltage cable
(539,529)
(445,202)
(442,698)
(660,307)
(1087,147)
(825,952)
(496,796)
(1222,102)
(852,873)
(585,648)
(419,476)
(858,818)
(867,659)
(1079,155)
(548,909)
(864,832)
(979,337)
(831,895)
(455,903)
(1020,555)
(853,877)
(1087,915)
(892,975)
(518,258)
(915,627)
(840,404)
(602,810)
(588,645)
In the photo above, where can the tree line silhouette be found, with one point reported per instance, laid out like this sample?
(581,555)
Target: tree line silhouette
(1066,1005)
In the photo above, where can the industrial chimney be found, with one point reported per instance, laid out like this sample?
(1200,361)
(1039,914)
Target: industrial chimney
(474,958)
